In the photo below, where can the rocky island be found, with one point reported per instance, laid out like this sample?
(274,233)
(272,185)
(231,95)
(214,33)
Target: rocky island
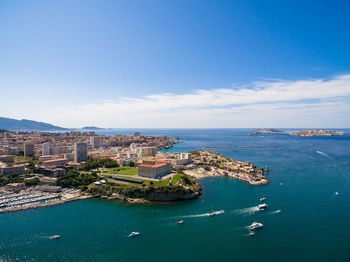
(307,132)
(317,132)
(266,131)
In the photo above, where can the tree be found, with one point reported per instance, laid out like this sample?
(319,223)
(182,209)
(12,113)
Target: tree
(32,182)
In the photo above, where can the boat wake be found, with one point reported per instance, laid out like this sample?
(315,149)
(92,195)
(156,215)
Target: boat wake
(276,212)
(244,211)
(215,213)
(321,153)
(193,216)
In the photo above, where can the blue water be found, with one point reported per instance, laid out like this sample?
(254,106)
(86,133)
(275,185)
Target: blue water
(313,224)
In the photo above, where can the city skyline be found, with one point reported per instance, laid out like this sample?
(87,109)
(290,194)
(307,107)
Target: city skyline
(159,64)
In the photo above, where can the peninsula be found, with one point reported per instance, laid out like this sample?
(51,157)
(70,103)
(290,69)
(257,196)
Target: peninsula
(207,163)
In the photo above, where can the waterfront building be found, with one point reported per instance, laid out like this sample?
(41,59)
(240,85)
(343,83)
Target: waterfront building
(29,149)
(45,149)
(154,168)
(80,152)
(15,187)
(46,180)
(95,142)
(50,189)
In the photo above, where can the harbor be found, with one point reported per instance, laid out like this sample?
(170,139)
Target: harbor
(34,198)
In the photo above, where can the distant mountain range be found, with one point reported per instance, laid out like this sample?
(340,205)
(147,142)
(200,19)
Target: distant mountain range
(27,125)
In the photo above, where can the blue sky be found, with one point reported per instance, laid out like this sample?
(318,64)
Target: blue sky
(176,63)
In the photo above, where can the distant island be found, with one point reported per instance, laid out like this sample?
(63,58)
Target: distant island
(306,132)
(27,125)
(317,132)
(266,131)
(92,128)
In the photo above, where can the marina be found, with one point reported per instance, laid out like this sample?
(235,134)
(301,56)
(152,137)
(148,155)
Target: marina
(25,198)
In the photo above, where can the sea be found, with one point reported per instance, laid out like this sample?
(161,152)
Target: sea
(308,215)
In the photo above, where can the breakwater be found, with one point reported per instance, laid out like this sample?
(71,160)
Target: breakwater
(242,146)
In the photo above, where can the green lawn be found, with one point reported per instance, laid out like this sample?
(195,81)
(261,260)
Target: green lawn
(124,170)
(131,172)
(158,183)
(175,179)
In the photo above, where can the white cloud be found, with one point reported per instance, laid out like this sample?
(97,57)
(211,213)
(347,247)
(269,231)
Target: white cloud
(302,103)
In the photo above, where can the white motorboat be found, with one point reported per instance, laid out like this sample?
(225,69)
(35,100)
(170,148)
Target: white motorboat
(262,199)
(262,206)
(251,233)
(134,234)
(256,225)
(216,213)
(55,237)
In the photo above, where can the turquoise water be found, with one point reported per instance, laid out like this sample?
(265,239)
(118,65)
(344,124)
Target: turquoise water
(313,224)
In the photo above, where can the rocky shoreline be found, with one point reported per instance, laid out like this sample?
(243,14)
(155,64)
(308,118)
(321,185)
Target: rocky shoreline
(212,164)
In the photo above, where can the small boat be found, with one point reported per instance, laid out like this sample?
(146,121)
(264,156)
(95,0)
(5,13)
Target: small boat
(251,233)
(134,234)
(55,237)
(262,206)
(180,222)
(262,199)
(256,225)
(216,213)
(278,211)
(336,193)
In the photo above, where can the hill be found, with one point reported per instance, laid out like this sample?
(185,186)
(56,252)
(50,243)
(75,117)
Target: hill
(26,125)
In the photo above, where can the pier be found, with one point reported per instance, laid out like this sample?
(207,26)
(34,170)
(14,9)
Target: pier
(242,146)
